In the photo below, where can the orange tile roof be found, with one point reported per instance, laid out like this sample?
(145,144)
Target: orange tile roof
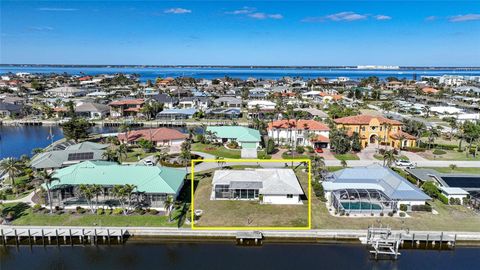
(155,135)
(60,109)
(127,102)
(399,133)
(429,90)
(320,138)
(365,120)
(298,124)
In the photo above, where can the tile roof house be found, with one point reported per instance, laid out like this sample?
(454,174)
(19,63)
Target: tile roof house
(299,132)
(247,138)
(126,107)
(9,109)
(272,186)
(374,130)
(92,110)
(159,136)
(153,184)
(372,187)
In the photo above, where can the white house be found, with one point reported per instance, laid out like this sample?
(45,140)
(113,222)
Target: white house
(300,132)
(454,193)
(262,104)
(269,186)
(66,92)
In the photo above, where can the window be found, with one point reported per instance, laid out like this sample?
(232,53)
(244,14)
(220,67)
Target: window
(289,196)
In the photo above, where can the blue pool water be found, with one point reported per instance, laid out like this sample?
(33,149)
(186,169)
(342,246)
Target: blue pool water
(360,205)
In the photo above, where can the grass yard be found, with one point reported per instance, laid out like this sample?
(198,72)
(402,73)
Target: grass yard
(26,216)
(457,170)
(449,155)
(221,151)
(135,154)
(449,218)
(347,156)
(227,213)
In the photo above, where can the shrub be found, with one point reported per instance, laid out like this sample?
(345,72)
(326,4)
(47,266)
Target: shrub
(431,189)
(415,149)
(152,212)
(347,214)
(390,214)
(423,208)
(446,146)
(300,149)
(443,198)
(438,152)
(100,211)
(37,207)
(381,214)
(403,207)
(140,211)
(117,211)
(80,210)
(309,149)
(402,214)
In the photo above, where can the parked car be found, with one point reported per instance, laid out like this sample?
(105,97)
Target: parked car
(404,164)
(318,150)
(148,162)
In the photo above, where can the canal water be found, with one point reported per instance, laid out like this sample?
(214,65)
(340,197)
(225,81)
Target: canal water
(21,140)
(208,256)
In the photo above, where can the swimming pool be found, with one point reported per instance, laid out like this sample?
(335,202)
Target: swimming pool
(462,181)
(361,206)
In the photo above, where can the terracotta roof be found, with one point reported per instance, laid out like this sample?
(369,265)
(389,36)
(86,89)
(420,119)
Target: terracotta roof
(132,110)
(399,133)
(60,109)
(298,124)
(320,138)
(429,90)
(127,102)
(365,120)
(156,135)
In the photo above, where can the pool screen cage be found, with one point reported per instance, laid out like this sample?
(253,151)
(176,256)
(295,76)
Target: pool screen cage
(362,201)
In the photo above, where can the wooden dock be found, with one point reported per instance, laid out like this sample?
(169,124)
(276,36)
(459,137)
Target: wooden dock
(384,242)
(62,236)
(249,237)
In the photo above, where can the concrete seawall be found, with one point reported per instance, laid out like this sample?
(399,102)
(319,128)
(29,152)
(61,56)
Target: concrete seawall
(467,238)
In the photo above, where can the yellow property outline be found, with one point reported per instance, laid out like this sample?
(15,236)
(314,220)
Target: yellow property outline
(309,200)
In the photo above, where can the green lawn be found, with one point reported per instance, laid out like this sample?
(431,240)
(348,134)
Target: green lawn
(231,213)
(221,151)
(457,170)
(26,216)
(449,155)
(134,154)
(347,156)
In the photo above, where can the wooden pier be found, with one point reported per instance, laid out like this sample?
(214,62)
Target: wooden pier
(249,237)
(62,236)
(384,242)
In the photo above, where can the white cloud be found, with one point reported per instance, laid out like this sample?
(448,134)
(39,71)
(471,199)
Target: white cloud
(431,18)
(57,9)
(346,16)
(464,18)
(382,17)
(178,11)
(251,12)
(244,10)
(40,28)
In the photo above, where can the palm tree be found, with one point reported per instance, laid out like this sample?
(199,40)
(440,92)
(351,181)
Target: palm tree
(452,167)
(87,192)
(343,163)
(426,110)
(47,179)
(97,190)
(168,206)
(388,158)
(12,167)
(110,155)
(161,156)
(433,133)
(122,151)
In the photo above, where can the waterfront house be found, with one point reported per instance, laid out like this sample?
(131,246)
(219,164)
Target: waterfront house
(126,107)
(10,110)
(167,101)
(247,138)
(66,155)
(152,184)
(370,189)
(221,113)
(174,114)
(228,102)
(269,186)
(201,103)
(299,133)
(375,130)
(92,110)
(159,136)
(66,92)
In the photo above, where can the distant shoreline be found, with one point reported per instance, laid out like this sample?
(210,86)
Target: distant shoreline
(237,66)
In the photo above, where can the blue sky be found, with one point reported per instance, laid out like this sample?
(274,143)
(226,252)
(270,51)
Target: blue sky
(416,33)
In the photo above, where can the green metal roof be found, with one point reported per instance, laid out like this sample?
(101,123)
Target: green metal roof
(149,179)
(241,134)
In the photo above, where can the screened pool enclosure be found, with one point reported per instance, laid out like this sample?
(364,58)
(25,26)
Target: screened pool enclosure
(362,201)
